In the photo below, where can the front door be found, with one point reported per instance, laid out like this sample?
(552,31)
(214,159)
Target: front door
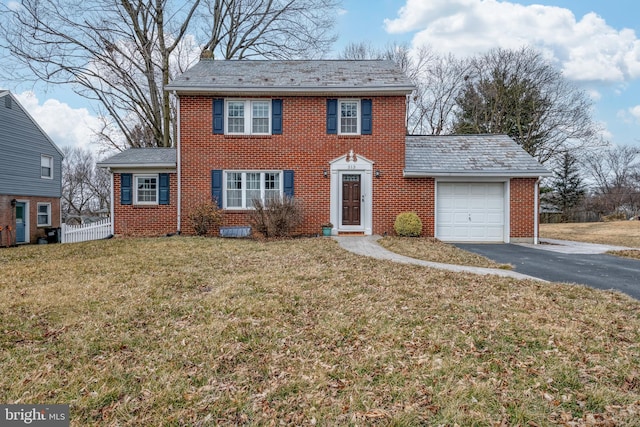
(351,203)
(21,222)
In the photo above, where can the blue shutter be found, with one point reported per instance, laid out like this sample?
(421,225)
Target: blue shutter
(125,188)
(365,104)
(332,116)
(216,186)
(218,116)
(164,189)
(276,116)
(288,183)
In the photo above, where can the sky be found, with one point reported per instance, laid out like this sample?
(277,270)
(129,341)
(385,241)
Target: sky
(595,44)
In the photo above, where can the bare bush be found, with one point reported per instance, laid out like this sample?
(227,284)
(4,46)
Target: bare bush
(278,217)
(204,217)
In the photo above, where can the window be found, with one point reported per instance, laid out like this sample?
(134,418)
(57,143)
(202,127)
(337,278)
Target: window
(44,214)
(242,188)
(349,122)
(245,117)
(46,167)
(146,189)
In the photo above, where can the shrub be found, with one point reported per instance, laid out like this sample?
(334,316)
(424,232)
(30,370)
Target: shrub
(205,216)
(277,217)
(408,224)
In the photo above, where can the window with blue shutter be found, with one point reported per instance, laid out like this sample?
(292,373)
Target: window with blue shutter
(125,188)
(218,116)
(163,189)
(216,186)
(276,116)
(366,117)
(332,116)
(287,187)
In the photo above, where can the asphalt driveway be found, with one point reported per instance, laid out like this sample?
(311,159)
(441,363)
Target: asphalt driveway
(551,262)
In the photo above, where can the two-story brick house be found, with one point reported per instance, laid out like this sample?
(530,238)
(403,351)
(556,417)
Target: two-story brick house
(30,178)
(332,134)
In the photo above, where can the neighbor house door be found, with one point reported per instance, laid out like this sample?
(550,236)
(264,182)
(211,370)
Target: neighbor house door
(351,199)
(21,222)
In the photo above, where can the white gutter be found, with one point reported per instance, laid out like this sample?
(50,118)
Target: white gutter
(178,163)
(500,174)
(294,90)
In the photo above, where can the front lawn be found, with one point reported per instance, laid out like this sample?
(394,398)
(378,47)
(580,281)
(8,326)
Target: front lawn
(195,331)
(617,233)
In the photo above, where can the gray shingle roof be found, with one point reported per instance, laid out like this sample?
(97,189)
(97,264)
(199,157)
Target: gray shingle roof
(469,155)
(293,77)
(142,158)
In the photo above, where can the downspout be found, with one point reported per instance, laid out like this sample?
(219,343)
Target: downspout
(536,213)
(112,203)
(178,164)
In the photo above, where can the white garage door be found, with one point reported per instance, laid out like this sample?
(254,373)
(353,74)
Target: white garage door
(470,212)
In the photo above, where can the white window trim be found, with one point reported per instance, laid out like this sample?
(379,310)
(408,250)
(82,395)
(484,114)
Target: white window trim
(246,204)
(135,189)
(248,116)
(50,159)
(48,223)
(359,117)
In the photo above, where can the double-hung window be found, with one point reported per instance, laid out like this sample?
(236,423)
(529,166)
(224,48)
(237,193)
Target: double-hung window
(242,188)
(44,214)
(349,123)
(46,167)
(248,117)
(146,189)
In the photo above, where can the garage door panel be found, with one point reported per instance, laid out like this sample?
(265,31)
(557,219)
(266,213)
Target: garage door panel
(470,212)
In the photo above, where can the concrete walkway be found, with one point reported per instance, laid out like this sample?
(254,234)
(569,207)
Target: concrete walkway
(569,247)
(368,246)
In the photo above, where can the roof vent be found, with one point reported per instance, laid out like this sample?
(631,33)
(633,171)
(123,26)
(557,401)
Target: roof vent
(7,101)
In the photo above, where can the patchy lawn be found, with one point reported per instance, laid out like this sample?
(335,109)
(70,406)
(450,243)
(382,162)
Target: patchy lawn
(618,233)
(194,331)
(429,249)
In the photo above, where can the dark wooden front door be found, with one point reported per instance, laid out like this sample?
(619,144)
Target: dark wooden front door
(351,204)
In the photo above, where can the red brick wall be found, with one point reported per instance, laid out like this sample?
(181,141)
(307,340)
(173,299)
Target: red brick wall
(155,220)
(522,209)
(7,216)
(305,148)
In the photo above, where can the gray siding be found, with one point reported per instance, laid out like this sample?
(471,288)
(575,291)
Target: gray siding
(21,145)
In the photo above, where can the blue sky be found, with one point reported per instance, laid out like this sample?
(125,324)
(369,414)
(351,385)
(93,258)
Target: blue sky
(595,43)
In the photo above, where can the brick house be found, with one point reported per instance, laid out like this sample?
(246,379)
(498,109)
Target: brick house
(332,134)
(30,177)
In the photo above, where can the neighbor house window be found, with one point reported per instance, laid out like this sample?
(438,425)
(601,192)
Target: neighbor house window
(146,189)
(349,122)
(44,214)
(46,167)
(247,117)
(242,188)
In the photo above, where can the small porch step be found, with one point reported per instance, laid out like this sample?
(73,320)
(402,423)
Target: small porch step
(350,233)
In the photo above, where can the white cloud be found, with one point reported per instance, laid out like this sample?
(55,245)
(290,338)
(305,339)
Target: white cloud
(342,11)
(635,113)
(588,49)
(66,126)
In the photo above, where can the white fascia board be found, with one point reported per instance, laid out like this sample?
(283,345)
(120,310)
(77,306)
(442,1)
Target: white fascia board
(510,174)
(346,91)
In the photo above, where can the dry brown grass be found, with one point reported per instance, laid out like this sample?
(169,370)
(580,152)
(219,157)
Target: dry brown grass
(195,331)
(619,233)
(434,250)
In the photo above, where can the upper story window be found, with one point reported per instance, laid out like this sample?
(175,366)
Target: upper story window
(46,167)
(146,192)
(349,116)
(349,123)
(248,117)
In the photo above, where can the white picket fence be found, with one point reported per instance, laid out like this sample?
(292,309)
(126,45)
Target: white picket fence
(85,232)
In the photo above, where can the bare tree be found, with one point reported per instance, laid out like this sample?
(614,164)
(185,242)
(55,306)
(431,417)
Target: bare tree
(85,188)
(519,93)
(615,174)
(121,53)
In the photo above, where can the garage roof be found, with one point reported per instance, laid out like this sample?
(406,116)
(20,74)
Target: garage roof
(469,155)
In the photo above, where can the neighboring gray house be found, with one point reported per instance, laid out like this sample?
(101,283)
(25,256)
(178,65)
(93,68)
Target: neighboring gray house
(30,176)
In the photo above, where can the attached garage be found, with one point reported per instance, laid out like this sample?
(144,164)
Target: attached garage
(470,211)
(486,187)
